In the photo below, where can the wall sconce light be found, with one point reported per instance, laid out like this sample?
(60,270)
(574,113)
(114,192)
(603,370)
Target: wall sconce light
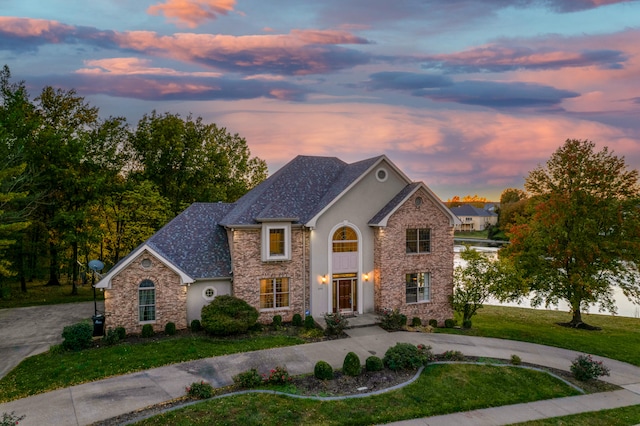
(365,277)
(324,279)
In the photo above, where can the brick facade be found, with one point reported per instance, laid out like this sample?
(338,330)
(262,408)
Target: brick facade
(248,269)
(121,301)
(392,263)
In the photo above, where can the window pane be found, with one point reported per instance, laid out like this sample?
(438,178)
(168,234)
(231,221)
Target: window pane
(276,242)
(266,301)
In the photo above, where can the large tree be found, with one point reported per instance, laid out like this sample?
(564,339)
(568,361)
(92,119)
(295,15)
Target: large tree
(583,238)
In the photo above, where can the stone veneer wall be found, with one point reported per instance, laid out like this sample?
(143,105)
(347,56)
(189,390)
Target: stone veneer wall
(121,301)
(248,269)
(392,263)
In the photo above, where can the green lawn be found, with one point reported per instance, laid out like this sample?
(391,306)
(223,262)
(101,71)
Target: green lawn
(440,389)
(39,294)
(619,338)
(48,371)
(625,416)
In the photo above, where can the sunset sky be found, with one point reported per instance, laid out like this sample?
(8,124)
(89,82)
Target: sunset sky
(465,95)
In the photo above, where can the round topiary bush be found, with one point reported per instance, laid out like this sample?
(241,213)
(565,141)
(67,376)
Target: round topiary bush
(277,321)
(309,322)
(296,321)
(433,323)
(373,363)
(323,371)
(170,328)
(449,323)
(466,323)
(405,356)
(416,322)
(195,325)
(351,365)
(121,332)
(147,330)
(77,336)
(227,315)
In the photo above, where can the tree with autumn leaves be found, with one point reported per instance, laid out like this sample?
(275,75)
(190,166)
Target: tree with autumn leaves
(582,237)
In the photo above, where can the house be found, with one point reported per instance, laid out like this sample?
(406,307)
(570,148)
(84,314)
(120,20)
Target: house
(473,218)
(318,236)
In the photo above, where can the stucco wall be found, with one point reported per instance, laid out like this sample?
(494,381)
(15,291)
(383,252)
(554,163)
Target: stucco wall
(121,301)
(392,263)
(248,269)
(357,207)
(196,300)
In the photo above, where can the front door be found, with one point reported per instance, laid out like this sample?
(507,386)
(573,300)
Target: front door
(344,294)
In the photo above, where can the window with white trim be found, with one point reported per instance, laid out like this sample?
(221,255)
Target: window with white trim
(147,301)
(418,240)
(276,241)
(274,293)
(418,287)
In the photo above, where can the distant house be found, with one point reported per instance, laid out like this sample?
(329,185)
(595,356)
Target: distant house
(318,236)
(474,218)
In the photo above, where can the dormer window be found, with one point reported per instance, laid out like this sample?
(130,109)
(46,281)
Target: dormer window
(276,241)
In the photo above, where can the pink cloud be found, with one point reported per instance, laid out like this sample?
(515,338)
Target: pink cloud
(52,31)
(191,13)
(134,66)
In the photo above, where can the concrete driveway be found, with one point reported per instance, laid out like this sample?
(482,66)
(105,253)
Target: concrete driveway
(30,331)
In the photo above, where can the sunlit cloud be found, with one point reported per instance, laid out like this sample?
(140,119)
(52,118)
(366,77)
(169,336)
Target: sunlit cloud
(191,13)
(135,66)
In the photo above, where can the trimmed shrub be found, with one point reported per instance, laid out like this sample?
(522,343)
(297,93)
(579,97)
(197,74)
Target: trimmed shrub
(10,419)
(351,365)
(77,336)
(277,321)
(296,321)
(452,356)
(111,337)
(405,356)
(515,360)
(278,376)
(416,322)
(309,322)
(227,315)
(392,320)
(433,323)
(170,328)
(336,323)
(373,363)
(121,332)
(323,371)
(449,323)
(585,368)
(201,390)
(147,330)
(195,325)
(248,379)
(466,323)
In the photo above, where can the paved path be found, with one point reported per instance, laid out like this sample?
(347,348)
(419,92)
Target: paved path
(92,402)
(30,331)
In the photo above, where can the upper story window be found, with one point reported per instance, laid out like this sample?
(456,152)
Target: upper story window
(276,241)
(418,240)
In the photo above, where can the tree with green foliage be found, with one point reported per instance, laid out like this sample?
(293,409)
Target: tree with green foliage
(192,161)
(583,237)
(513,208)
(478,279)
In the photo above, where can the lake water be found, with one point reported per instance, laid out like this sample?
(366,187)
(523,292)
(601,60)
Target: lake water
(625,307)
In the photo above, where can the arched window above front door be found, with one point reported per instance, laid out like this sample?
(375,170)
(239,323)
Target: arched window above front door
(345,239)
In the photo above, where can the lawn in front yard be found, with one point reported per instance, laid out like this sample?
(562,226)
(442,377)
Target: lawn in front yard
(440,389)
(619,338)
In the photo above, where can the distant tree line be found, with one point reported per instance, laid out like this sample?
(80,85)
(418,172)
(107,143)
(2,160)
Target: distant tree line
(74,186)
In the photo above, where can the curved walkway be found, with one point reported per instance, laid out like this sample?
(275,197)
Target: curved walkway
(104,399)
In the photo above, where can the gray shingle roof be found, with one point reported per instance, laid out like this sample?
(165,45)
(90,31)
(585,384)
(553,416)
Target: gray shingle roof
(299,190)
(195,243)
(469,210)
(391,205)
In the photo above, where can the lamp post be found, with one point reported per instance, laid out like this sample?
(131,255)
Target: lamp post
(98,320)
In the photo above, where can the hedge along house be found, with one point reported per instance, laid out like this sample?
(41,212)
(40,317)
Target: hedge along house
(318,236)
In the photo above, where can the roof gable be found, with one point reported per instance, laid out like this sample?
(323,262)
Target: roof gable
(469,210)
